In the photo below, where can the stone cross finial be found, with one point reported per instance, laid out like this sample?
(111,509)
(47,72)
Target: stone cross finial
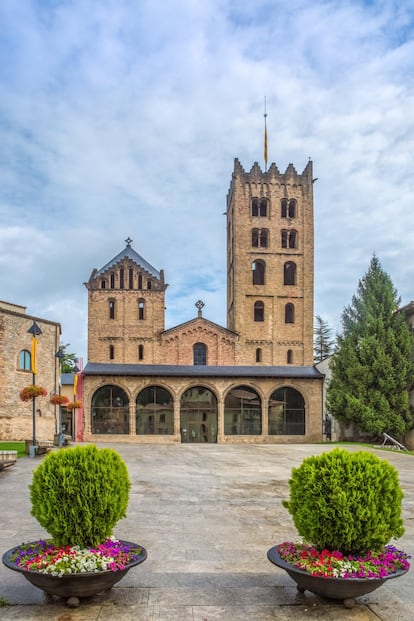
(199,305)
(128,241)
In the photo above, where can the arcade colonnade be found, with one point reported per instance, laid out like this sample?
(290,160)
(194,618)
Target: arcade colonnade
(202,409)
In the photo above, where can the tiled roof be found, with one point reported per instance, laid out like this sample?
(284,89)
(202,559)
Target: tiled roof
(166,370)
(129,253)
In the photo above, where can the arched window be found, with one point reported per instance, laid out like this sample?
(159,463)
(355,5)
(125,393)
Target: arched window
(131,278)
(259,208)
(255,238)
(263,207)
(290,313)
(25,360)
(284,208)
(111,352)
(263,238)
(259,311)
(112,278)
(260,238)
(286,413)
(259,271)
(103,284)
(258,355)
(242,412)
(199,354)
(111,309)
(289,356)
(141,309)
(140,281)
(292,208)
(121,278)
(140,352)
(292,239)
(289,273)
(110,411)
(284,238)
(154,411)
(255,207)
(149,284)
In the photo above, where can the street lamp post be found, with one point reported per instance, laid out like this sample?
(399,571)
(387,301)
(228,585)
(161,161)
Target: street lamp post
(75,384)
(60,355)
(34,330)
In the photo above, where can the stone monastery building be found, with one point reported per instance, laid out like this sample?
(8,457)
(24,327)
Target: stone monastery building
(252,381)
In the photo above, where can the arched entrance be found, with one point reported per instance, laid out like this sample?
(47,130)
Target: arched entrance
(198,415)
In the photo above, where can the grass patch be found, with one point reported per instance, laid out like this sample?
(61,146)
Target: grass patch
(3,602)
(20,447)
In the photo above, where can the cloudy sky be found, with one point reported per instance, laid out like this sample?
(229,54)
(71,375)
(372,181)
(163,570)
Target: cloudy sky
(123,118)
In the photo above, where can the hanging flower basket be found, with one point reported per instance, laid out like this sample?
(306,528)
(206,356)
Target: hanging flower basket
(73,405)
(59,400)
(31,392)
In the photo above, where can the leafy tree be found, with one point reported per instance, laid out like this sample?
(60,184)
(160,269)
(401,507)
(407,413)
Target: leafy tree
(68,362)
(323,343)
(372,370)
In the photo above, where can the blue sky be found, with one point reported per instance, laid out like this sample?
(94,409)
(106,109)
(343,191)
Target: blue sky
(123,118)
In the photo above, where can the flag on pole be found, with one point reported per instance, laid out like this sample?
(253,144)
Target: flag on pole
(75,385)
(33,361)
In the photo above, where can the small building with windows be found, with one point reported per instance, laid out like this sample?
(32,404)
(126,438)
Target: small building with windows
(251,381)
(16,372)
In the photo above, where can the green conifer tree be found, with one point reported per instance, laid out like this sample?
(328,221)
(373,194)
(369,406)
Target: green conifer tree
(372,370)
(323,343)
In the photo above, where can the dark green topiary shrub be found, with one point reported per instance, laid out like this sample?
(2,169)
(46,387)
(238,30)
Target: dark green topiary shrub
(79,494)
(346,501)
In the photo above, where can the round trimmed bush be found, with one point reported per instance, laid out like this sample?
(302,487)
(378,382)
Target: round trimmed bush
(346,501)
(79,494)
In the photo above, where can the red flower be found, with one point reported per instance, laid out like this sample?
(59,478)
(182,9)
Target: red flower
(31,392)
(59,400)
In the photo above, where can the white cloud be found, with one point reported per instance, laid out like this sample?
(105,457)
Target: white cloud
(125,119)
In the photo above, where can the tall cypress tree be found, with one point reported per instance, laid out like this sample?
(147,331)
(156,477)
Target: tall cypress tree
(373,370)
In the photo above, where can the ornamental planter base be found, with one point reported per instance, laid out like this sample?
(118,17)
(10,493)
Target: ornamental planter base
(75,586)
(332,588)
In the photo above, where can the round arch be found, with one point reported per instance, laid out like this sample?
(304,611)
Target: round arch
(242,411)
(198,415)
(154,411)
(286,412)
(110,410)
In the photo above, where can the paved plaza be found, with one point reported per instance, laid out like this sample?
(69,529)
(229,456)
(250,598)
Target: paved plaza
(207,514)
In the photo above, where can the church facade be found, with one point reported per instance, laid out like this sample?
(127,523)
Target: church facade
(251,381)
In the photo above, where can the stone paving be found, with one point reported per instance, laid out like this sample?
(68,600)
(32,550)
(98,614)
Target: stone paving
(207,515)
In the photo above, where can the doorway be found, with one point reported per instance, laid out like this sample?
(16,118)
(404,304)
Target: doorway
(198,415)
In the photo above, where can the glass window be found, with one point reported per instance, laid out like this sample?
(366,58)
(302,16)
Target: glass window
(25,360)
(259,311)
(141,309)
(121,278)
(131,278)
(110,411)
(140,352)
(289,273)
(292,208)
(286,414)
(111,309)
(111,352)
(289,313)
(199,354)
(154,411)
(258,355)
(112,281)
(242,412)
(259,271)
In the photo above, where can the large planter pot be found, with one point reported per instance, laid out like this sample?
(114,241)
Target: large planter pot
(332,588)
(74,586)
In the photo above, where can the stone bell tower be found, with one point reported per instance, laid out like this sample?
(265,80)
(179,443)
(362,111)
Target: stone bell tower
(270,249)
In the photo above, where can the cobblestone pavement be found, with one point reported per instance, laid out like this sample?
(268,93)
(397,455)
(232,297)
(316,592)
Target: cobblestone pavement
(207,514)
